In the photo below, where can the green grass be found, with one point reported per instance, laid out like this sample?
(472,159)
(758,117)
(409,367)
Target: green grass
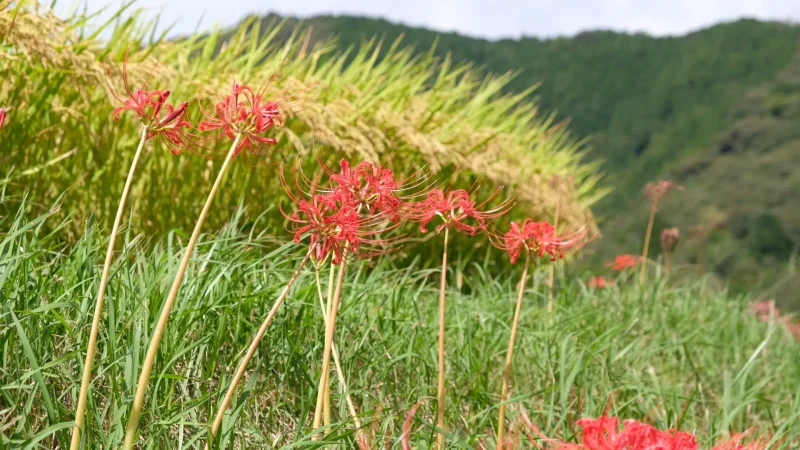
(680,356)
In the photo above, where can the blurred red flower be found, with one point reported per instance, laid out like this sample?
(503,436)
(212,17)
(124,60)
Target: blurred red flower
(538,238)
(598,282)
(763,309)
(3,114)
(622,262)
(335,222)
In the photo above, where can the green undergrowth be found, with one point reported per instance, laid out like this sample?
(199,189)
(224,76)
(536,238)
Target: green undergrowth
(674,354)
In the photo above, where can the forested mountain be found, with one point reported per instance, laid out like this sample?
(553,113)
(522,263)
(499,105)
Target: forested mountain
(717,110)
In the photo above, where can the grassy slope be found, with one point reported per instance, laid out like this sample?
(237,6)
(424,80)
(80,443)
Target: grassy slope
(681,357)
(664,108)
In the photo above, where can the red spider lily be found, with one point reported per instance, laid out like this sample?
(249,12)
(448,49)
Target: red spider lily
(369,186)
(244,113)
(538,238)
(332,224)
(3,114)
(669,237)
(599,282)
(159,117)
(657,189)
(603,433)
(454,207)
(622,262)
(171,126)
(374,188)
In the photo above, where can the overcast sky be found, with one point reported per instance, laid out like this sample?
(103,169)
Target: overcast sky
(485,18)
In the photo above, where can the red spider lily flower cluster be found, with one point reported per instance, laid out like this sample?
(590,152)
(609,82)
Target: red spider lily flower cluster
(603,433)
(245,113)
(622,262)
(370,187)
(3,114)
(347,215)
(669,238)
(657,189)
(456,209)
(599,282)
(332,223)
(160,118)
(538,238)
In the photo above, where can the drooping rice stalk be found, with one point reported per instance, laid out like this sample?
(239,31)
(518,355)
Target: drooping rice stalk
(394,91)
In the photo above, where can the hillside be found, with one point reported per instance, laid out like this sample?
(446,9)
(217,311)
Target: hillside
(717,110)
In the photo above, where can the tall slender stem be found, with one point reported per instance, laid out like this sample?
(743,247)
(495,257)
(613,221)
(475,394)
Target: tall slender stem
(336,361)
(501,428)
(326,352)
(643,270)
(226,401)
(440,385)
(161,325)
(326,399)
(667,261)
(80,411)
